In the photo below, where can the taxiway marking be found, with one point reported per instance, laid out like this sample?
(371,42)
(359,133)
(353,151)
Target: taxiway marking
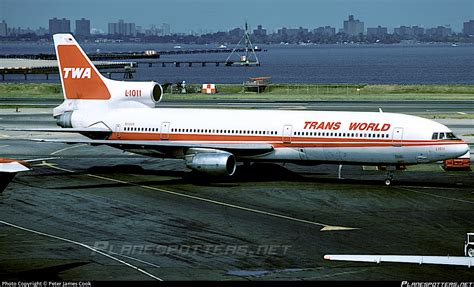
(437,196)
(66,148)
(325,227)
(83,245)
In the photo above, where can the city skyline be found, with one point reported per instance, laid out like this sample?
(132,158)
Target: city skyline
(186,16)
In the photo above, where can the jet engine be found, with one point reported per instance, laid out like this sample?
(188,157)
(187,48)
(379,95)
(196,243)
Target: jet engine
(212,163)
(147,93)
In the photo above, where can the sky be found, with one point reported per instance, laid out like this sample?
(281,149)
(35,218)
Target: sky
(200,16)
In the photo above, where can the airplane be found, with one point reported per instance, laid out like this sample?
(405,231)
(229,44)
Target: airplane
(8,169)
(416,259)
(123,115)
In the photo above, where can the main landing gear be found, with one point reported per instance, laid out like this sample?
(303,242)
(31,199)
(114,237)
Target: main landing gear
(389,178)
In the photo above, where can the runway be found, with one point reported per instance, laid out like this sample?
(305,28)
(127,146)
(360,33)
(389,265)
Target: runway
(97,213)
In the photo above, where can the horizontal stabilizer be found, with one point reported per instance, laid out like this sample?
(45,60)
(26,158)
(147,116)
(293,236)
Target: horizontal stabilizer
(439,260)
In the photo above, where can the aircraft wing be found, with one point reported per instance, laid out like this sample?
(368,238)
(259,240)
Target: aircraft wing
(12,167)
(164,146)
(438,260)
(95,133)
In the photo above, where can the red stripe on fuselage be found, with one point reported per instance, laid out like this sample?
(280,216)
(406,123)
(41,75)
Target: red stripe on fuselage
(276,141)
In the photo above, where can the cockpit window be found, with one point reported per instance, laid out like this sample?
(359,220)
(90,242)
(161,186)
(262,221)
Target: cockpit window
(451,136)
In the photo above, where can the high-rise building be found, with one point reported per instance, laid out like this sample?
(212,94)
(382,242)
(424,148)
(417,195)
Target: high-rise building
(3,29)
(468,27)
(59,26)
(379,31)
(259,32)
(166,28)
(122,28)
(353,27)
(83,27)
(439,31)
(326,30)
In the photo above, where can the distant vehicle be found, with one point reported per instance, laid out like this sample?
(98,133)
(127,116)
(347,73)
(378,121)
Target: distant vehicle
(460,163)
(211,141)
(469,245)
(454,45)
(177,47)
(222,47)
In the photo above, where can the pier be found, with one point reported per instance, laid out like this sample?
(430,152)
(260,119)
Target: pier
(46,67)
(152,54)
(191,63)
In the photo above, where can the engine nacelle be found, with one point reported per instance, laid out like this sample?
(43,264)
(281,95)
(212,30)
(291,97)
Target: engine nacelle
(147,93)
(218,163)
(64,120)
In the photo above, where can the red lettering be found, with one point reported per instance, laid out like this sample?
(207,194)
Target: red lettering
(306,124)
(320,126)
(385,127)
(363,126)
(337,125)
(353,126)
(371,126)
(329,125)
(376,128)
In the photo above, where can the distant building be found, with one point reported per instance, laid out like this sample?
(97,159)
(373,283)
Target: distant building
(292,32)
(418,31)
(260,32)
(404,31)
(326,31)
(122,28)
(409,32)
(83,27)
(353,27)
(59,26)
(468,27)
(166,28)
(379,31)
(439,31)
(41,31)
(237,32)
(3,29)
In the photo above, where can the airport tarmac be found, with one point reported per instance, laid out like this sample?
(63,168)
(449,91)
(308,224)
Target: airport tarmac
(97,213)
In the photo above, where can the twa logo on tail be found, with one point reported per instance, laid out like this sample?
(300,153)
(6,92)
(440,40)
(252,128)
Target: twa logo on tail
(77,73)
(80,78)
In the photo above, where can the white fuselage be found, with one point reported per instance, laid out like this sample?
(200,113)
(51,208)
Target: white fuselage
(312,136)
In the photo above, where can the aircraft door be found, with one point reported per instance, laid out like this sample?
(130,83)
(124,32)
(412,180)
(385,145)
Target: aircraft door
(165,131)
(397,136)
(287,130)
(117,131)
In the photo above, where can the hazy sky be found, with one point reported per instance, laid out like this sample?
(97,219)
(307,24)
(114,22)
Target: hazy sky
(222,15)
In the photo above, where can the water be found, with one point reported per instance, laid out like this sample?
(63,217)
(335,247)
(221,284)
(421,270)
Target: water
(353,64)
